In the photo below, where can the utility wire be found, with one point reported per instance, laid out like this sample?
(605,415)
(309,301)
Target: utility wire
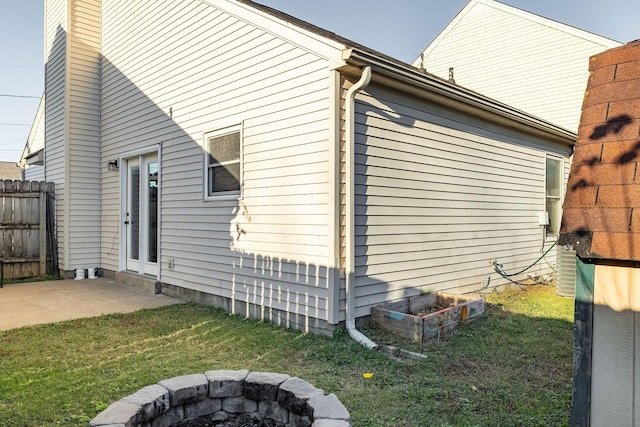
(14,124)
(18,96)
(21,66)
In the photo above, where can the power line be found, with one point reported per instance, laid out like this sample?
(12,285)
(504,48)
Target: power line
(14,124)
(21,66)
(18,96)
(14,142)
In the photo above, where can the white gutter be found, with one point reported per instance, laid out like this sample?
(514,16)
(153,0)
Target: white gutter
(350,322)
(450,94)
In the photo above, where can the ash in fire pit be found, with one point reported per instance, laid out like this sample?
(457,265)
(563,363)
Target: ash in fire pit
(244,420)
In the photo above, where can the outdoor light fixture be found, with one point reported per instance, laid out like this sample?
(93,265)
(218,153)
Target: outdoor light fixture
(112,165)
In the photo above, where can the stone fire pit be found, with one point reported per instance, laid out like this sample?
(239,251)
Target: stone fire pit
(277,399)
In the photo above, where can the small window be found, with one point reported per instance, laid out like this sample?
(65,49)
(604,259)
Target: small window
(554,194)
(222,162)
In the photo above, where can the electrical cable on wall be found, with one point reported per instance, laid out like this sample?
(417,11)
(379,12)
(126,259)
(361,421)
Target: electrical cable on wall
(499,269)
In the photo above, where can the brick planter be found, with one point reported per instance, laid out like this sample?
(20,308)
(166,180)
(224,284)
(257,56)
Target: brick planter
(268,396)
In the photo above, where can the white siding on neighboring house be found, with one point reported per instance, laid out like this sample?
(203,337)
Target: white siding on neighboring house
(524,60)
(35,144)
(175,70)
(34,173)
(440,194)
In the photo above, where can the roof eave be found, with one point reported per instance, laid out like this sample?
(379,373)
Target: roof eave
(396,74)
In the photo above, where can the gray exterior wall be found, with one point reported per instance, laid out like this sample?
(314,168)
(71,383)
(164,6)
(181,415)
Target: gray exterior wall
(439,194)
(55,103)
(173,71)
(72,120)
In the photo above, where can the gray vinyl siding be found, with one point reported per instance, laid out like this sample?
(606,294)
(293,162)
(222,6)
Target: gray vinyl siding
(83,171)
(72,120)
(55,104)
(438,195)
(173,71)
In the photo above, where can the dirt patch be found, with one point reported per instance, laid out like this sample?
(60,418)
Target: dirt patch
(428,310)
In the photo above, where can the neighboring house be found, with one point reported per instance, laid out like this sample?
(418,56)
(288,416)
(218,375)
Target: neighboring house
(10,170)
(235,155)
(32,159)
(524,60)
(601,222)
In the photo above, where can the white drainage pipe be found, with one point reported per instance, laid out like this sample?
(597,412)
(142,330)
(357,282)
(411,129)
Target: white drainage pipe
(350,308)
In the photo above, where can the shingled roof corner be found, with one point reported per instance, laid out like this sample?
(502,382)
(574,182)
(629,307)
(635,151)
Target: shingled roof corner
(601,211)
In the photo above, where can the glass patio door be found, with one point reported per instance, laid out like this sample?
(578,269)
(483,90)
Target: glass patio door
(141,215)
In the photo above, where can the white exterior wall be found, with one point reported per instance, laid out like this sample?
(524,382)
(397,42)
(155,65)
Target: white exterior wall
(72,119)
(55,43)
(526,61)
(83,135)
(438,195)
(35,143)
(175,70)
(34,173)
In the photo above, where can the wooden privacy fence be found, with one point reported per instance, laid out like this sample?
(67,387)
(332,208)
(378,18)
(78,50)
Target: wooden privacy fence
(27,243)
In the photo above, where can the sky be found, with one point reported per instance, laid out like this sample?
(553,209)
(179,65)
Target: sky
(398,28)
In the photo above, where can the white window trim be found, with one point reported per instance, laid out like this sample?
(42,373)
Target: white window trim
(227,195)
(550,236)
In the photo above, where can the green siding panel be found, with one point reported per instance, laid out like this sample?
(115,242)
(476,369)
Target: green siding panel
(582,343)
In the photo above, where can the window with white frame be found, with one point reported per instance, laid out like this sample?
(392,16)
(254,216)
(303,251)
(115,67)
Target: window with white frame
(223,164)
(554,194)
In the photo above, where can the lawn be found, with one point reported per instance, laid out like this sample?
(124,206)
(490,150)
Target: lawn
(512,368)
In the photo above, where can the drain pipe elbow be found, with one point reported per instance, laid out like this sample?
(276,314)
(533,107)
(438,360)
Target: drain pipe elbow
(359,337)
(350,323)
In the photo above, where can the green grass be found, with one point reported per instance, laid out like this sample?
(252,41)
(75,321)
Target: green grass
(511,368)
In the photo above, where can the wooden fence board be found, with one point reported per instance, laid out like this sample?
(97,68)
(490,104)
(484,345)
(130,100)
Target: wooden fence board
(27,230)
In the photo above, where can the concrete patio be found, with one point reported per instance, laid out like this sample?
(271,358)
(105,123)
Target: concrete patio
(34,303)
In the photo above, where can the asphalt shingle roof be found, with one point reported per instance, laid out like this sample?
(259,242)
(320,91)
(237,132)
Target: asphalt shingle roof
(601,211)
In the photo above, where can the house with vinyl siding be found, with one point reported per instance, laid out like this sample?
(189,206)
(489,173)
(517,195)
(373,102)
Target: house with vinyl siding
(32,158)
(230,154)
(525,60)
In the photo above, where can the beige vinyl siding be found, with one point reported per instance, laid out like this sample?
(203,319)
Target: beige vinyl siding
(536,65)
(55,104)
(175,70)
(438,195)
(616,341)
(83,173)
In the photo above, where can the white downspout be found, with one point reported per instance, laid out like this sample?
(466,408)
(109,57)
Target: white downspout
(350,210)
